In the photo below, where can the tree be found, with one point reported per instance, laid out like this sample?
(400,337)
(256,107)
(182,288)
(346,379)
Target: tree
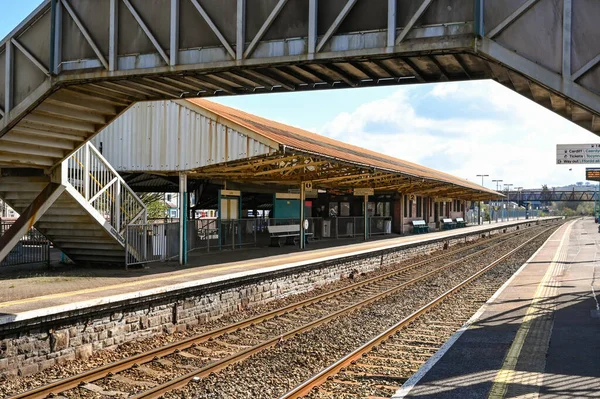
(546,196)
(155,205)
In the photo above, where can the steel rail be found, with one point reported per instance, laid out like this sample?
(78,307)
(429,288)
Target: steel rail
(74,381)
(179,382)
(319,378)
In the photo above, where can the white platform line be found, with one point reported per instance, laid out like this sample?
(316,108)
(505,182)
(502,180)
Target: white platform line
(428,365)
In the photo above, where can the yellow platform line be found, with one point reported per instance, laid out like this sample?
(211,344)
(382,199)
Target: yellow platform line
(290,258)
(246,265)
(507,373)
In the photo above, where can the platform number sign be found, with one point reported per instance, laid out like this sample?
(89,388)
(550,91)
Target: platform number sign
(592,174)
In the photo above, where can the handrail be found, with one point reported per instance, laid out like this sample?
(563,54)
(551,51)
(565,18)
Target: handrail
(92,176)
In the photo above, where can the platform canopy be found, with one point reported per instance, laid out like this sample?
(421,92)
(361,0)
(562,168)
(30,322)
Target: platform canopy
(298,156)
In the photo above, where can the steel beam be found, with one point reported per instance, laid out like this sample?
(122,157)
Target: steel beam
(57,59)
(336,24)
(313,9)
(214,28)
(85,33)
(584,69)
(146,30)
(113,36)
(174,33)
(511,18)
(240,29)
(30,57)
(567,38)
(540,74)
(413,20)
(8,77)
(391,25)
(29,217)
(265,26)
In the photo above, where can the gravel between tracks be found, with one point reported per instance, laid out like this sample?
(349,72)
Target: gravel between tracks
(273,372)
(14,384)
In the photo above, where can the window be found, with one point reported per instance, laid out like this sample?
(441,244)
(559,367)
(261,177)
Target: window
(174,213)
(333,209)
(169,196)
(419,207)
(344,209)
(383,209)
(410,206)
(405,200)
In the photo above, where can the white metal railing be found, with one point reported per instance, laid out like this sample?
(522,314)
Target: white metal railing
(102,187)
(154,242)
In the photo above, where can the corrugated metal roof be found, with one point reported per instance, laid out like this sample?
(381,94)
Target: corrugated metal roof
(163,136)
(303,140)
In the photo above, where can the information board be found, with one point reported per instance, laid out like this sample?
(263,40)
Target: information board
(592,174)
(570,154)
(364,191)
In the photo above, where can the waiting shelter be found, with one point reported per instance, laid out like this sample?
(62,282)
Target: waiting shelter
(257,173)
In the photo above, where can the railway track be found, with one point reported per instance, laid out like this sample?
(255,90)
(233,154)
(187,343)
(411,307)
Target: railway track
(152,374)
(379,367)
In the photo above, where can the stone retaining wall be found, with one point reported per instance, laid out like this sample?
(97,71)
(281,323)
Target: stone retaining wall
(28,350)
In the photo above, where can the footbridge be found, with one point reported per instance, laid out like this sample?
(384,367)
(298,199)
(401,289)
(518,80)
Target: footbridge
(74,65)
(539,195)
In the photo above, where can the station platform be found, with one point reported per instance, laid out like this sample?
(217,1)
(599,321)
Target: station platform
(35,294)
(537,337)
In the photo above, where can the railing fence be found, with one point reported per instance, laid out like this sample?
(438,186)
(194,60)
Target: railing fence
(33,247)
(96,180)
(146,243)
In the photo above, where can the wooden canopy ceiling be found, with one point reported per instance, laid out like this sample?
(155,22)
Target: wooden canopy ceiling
(292,168)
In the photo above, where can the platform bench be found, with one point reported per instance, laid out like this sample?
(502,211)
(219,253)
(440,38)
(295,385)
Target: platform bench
(289,232)
(419,226)
(448,224)
(460,222)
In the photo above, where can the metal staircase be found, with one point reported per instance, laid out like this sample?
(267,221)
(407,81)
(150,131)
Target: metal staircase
(88,218)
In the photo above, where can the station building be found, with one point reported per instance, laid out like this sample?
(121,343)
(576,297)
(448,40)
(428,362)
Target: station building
(249,168)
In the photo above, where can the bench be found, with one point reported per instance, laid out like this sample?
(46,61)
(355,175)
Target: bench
(419,226)
(291,232)
(460,222)
(448,224)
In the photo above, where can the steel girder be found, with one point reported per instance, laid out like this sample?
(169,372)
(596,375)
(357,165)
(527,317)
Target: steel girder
(73,66)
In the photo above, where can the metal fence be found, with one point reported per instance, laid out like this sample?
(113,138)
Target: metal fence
(503,215)
(147,243)
(33,247)
(160,241)
(380,225)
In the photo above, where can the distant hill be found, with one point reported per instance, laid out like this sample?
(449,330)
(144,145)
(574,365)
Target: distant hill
(579,186)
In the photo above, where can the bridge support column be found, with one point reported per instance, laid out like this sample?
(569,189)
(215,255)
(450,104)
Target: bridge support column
(183,219)
(32,214)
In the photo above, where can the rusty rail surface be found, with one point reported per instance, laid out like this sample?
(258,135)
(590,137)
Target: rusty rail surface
(72,382)
(319,378)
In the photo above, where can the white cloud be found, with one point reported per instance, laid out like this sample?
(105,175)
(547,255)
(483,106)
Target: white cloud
(514,139)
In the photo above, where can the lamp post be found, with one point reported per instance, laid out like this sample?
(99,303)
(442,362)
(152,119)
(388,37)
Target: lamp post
(507,188)
(479,213)
(519,189)
(497,189)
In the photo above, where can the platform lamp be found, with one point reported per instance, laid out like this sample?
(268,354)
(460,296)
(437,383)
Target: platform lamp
(507,188)
(497,189)
(519,190)
(479,212)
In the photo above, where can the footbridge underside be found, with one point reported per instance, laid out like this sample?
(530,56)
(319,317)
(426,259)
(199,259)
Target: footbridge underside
(74,65)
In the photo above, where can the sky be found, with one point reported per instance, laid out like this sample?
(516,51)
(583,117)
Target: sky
(465,128)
